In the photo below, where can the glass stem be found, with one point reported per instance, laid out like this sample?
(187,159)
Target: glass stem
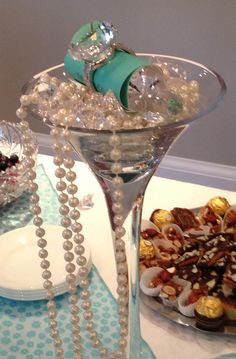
(134,345)
(134,194)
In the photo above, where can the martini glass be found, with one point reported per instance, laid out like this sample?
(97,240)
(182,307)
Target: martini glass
(142,151)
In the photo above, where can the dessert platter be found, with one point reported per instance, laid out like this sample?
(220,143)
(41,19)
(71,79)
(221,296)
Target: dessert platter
(188,265)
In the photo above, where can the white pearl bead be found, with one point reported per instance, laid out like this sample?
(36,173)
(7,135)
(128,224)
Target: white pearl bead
(74,319)
(122,268)
(115,154)
(70,267)
(115,140)
(96,343)
(34,198)
(88,315)
(74,214)
(21,113)
(49,295)
(45,264)
(72,188)
(51,304)
(123,310)
(57,147)
(118,195)
(122,290)
(69,120)
(122,300)
(69,163)
(52,314)
(27,138)
(64,210)
(60,172)
(54,333)
(122,343)
(84,294)
(63,198)
(46,274)
(120,231)
(31,175)
(67,245)
(47,284)
(84,283)
(81,261)
(120,244)
(25,100)
(73,202)
(58,160)
(72,288)
(76,329)
(43,253)
(79,250)
(103,352)
(67,233)
(76,227)
(40,232)
(66,134)
(69,256)
(71,176)
(58,342)
(65,221)
(117,207)
(118,219)
(120,256)
(38,221)
(42,243)
(59,352)
(116,168)
(123,320)
(36,210)
(29,150)
(73,299)
(90,326)
(30,162)
(55,132)
(122,279)
(86,305)
(79,238)
(35,98)
(74,309)
(33,187)
(83,272)
(93,335)
(67,148)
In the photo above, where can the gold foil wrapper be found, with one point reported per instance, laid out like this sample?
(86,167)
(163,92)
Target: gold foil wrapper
(160,217)
(210,307)
(219,205)
(146,249)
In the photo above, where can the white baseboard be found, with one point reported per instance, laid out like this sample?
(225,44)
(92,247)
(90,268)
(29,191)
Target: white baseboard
(178,168)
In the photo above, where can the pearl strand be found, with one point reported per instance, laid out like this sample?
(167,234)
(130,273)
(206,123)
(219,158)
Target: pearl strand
(40,232)
(67,233)
(79,249)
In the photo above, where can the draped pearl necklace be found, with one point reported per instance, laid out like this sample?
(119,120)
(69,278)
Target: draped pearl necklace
(72,234)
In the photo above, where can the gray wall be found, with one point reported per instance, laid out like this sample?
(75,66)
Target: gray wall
(34,35)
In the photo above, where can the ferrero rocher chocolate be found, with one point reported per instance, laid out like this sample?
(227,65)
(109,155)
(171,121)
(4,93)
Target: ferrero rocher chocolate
(209,307)
(160,217)
(146,249)
(219,205)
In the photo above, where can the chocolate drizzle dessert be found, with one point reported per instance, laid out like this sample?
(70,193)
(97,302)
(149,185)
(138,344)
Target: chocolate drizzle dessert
(206,258)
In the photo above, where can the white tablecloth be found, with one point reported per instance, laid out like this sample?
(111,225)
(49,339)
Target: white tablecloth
(167,339)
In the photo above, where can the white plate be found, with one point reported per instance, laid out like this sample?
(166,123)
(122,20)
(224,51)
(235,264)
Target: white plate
(20,274)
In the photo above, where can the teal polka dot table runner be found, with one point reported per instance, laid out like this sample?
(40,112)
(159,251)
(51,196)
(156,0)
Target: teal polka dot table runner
(24,329)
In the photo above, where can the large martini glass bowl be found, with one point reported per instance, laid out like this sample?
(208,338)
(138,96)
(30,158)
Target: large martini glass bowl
(142,150)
